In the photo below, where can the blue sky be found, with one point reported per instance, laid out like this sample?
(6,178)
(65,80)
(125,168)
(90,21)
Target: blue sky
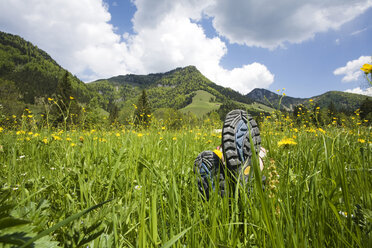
(306,47)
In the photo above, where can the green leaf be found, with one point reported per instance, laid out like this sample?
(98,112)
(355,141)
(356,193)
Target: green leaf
(8,222)
(174,239)
(62,223)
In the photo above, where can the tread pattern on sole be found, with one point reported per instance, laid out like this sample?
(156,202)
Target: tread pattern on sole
(209,169)
(229,144)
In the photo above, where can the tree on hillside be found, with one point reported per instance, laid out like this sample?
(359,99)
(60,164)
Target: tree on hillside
(142,115)
(65,109)
(113,111)
(64,89)
(9,99)
(366,109)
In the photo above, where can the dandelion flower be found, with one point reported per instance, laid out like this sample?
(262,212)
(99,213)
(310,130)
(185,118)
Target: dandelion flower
(72,98)
(139,134)
(367,68)
(321,130)
(361,141)
(55,137)
(286,142)
(174,138)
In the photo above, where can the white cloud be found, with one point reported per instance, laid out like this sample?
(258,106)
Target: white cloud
(359,31)
(175,41)
(351,70)
(358,90)
(77,34)
(269,24)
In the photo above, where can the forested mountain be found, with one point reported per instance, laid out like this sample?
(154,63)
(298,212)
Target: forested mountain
(173,89)
(342,101)
(30,73)
(28,76)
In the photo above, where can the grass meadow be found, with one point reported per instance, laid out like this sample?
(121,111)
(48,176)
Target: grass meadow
(128,188)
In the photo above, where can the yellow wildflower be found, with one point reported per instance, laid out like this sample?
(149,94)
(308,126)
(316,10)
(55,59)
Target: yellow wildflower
(55,137)
(361,141)
(367,68)
(68,139)
(287,142)
(1,129)
(162,128)
(321,130)
(45,140)
(174,138)
(72,144)
(117,134)
(218,153)
(72,98)
(139,134)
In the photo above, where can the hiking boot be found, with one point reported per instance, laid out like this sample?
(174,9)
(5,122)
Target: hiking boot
(209,166)
(236,142)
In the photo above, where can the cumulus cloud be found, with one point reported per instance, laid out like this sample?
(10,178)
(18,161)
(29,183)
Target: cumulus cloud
(270,24)
(351,70)
(75,33)
(358,90)
(78,34)
(175,40)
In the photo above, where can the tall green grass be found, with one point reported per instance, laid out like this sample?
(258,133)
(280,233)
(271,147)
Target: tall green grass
(155,202)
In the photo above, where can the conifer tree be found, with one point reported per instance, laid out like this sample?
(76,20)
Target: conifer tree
(66,110)
(142,114)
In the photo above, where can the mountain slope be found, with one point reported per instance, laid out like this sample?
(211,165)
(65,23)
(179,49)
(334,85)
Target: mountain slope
(344,101)
(173,89)
(32,71)
(269,98)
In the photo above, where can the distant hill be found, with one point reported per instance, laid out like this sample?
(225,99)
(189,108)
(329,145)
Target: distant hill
(174,89)
(28,74)
(32,72)
(344,101)
(270,98)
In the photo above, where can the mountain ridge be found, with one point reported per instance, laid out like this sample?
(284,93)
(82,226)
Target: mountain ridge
(32,74)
